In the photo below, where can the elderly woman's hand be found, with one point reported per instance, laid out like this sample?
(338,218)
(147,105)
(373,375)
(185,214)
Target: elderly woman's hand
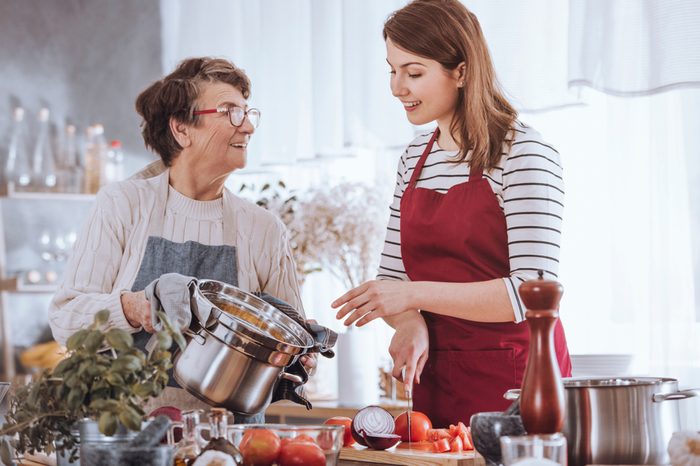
(137,310)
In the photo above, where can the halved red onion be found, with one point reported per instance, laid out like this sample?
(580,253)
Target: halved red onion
(373,421)
(380,441)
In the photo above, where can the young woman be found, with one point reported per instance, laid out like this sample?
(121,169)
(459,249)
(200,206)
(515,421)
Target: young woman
(477,210)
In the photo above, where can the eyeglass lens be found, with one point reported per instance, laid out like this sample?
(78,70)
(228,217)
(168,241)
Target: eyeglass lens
(237,115)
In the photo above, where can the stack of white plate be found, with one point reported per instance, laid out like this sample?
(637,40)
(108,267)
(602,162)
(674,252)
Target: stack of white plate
(601,365)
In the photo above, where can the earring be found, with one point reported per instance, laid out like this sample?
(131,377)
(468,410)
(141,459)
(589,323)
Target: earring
(461,84)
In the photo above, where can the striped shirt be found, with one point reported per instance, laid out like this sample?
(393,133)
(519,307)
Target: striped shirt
(529,187)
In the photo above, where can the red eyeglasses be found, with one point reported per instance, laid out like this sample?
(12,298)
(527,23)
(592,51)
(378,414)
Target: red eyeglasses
(236,115)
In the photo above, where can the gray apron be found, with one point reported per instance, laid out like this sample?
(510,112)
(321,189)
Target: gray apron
(192,259)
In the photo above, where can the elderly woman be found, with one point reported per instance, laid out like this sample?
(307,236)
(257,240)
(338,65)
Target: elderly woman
(177,216)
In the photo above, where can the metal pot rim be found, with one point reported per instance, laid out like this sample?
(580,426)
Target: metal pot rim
(615,382)
(297,338)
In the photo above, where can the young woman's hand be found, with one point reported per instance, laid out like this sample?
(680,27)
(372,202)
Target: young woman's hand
(409,348)
(373,299)
(137,310)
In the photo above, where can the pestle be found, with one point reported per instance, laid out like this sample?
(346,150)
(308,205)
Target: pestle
(152,434)
(513,409)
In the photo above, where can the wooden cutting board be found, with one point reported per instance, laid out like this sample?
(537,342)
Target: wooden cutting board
(357,455)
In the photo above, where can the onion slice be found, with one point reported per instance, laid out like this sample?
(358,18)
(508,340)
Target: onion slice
(380,441)
(372,421)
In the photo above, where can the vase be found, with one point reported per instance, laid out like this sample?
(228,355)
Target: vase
(358,374)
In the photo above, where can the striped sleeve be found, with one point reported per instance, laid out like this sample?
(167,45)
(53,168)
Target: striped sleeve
(533,204)
(391,264)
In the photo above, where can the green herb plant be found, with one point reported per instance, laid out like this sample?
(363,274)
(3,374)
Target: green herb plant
(104,378)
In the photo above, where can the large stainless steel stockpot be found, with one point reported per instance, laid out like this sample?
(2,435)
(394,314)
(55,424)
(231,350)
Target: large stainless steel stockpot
(625,420)
(235,359)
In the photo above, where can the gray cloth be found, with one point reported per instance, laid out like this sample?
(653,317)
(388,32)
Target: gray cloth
(171,293)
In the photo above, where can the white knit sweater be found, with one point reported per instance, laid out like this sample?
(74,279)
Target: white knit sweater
(108,253)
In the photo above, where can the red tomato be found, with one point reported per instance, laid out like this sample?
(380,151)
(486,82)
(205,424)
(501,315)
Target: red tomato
(260,447)
(420,424)
(436,434)
(301,454)
(456,445)
(343,421)
(325,440)
(467,440)
(303,438)
(441,445)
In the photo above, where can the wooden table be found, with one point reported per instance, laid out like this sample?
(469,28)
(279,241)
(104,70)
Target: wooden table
(287,412)
(355,456)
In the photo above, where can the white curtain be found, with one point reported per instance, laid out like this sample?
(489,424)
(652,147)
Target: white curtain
(631,48)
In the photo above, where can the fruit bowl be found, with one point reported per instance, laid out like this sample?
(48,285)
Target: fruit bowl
(288,445)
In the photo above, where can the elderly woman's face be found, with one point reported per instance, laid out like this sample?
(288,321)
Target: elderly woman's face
(215,139)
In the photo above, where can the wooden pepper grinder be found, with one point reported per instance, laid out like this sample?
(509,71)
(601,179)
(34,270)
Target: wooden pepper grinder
(542,395)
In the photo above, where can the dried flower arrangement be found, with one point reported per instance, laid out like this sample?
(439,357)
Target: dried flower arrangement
(344,228)
(337,229)
(284,203)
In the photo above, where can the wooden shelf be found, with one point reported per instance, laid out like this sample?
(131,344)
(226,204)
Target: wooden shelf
(14,285)
(39,196)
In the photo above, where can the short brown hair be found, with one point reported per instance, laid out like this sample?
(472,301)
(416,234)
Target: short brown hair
(445,31)
(175,95)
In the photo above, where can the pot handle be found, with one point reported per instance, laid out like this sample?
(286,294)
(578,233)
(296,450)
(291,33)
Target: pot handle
(198,337)
(512,394)
(292,377)
(679,395)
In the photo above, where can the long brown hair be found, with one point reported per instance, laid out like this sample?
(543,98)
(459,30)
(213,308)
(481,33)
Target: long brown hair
(445,31)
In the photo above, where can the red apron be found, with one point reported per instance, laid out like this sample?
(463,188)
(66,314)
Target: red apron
(460,236)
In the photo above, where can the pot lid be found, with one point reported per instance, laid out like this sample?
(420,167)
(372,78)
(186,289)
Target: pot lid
(602,382)
(247,314)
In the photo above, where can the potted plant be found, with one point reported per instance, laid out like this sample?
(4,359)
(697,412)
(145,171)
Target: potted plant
(104,378)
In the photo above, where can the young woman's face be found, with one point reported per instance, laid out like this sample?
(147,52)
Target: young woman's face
(427,91)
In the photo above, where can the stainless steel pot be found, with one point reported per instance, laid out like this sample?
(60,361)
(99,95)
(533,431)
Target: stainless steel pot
(626,420)
(235,359)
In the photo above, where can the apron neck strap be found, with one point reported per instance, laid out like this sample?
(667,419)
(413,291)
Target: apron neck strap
(423,158)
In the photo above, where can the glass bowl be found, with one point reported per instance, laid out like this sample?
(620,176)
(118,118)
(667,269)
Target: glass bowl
(329,438)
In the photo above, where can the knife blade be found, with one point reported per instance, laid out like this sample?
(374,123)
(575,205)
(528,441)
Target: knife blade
(409,402)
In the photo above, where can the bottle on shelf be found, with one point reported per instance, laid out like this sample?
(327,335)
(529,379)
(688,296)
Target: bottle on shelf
(18,174)
(218,435)
(70,169)
(95,155)
(43,160)
(188,449)
(114,163)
